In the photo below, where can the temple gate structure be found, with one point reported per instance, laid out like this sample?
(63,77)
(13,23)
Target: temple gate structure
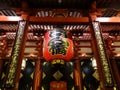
(49,45)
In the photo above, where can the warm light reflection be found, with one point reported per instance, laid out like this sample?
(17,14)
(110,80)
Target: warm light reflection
(32,55)
(80,37)
(11,18)
(118,55)
(73,37)
(94,64)
(103,19)
(112,44)
(84,54)
(112,19)
(1,43)
(23,65)
(35,37)
(71,63)
(8,55)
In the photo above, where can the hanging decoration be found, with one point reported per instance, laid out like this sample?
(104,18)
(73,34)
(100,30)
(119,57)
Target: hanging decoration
(57,47)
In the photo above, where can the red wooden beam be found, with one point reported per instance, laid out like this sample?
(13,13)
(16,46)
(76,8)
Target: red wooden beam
(57,20)
(10,18)
(45,20)
(108,19)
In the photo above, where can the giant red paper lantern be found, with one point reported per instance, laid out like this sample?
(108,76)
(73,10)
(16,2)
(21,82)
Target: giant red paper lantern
(57,45)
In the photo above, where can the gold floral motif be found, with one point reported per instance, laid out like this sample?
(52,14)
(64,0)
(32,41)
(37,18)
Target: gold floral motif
(15,55)
(58,61)
(103,57)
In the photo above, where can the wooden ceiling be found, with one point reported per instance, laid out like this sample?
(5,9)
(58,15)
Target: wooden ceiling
(48,9)
(79,4)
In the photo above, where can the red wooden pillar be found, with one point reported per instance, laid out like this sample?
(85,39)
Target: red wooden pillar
(78,76)
(14,69)
(38,68)
(37,75)
(77,70)
(116,73)
(1,64)
(113,62)
(3,53)
(104,69)
(95,51)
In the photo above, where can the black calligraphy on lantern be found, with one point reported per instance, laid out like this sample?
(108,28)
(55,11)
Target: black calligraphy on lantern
(58,43)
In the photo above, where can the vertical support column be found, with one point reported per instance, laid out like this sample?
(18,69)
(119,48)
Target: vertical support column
(14,68)
(3,53)
(95,51)
(38,68)
(113,62)
(37,75)
(77,76)
(116,73)
(77,70)
(1,61)
(104,68)
(1,64)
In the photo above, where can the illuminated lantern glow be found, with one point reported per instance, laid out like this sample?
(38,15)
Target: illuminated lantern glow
(57,46)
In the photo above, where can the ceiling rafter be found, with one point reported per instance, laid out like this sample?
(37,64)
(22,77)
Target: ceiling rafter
(71,15)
